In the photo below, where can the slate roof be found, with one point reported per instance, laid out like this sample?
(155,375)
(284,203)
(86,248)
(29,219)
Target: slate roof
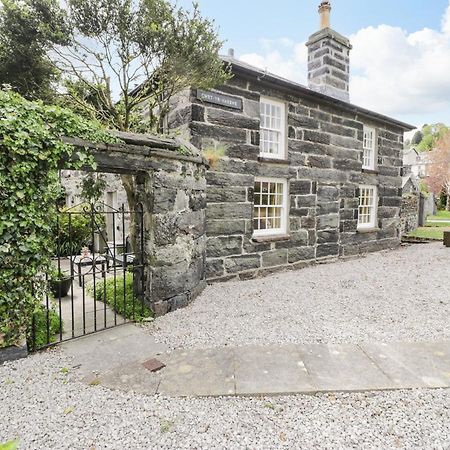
(240,67)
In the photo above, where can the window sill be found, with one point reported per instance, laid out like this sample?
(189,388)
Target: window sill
(368,230)
(373,171)
(274,238)
(272,160)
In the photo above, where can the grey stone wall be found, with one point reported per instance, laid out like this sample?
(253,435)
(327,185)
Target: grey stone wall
(409,218)
(324,171)
(170,176)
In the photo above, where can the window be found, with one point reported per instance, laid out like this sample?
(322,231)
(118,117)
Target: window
(369,152)
(270,206)
(273,129)
(367,213)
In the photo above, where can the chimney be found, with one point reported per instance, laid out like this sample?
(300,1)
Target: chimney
(329,59)
(324,11)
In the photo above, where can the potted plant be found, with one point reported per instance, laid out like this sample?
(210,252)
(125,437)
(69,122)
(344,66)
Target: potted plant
(60,283)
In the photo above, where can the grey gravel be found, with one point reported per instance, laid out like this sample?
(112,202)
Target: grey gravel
(400,295)
(48,409)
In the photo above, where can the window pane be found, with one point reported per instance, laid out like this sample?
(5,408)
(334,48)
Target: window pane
(367,206)
(268,206)
(272,124)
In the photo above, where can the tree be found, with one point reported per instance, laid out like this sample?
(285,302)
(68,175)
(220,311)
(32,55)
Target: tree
(28,29)
(127,59)
(417,138)
(430,135)
(438,173)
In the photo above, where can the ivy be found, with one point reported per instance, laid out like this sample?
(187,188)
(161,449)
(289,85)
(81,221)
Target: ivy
(31,151)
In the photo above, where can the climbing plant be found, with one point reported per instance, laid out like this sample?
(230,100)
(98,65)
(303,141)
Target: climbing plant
(31,151)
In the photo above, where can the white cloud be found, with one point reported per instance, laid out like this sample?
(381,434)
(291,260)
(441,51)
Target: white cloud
(393,71)
(446,22)
(283,57)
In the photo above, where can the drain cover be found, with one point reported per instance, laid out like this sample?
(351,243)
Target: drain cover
(153,365)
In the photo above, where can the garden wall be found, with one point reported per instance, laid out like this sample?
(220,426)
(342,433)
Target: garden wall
(409,217)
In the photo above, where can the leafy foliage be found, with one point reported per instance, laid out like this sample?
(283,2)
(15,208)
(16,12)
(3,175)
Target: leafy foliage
(127,59)
(72,231)
(28,29)
(430,135)
(37,334)
(92,187)
(11,445)
(127,305)
(31,149)
(417,138)
(73,228)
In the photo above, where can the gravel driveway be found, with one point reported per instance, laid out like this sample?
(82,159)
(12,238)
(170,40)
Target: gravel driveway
(401,295)
(48,409)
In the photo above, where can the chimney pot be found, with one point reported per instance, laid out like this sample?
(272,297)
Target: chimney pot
(231,52)
(324,11)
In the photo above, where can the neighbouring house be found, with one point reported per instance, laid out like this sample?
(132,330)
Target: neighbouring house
(414,162)
(410,184)
(299,173)
(416,205)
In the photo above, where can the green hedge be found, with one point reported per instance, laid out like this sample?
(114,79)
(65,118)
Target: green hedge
(130,307)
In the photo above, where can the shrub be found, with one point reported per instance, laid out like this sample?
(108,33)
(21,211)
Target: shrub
(31,152)
(131,308)
(72,236)
(214,154)
(37,338)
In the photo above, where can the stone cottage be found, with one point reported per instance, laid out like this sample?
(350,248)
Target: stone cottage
(302,174)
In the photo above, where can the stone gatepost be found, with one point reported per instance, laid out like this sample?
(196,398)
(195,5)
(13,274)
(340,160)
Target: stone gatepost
(170,176)
(175,233)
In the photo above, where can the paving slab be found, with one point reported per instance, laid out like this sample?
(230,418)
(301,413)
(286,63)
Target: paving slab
(413,364)
(198,373)
(342,367)
(130,378)
(111,349)
(114,358)
(271,370)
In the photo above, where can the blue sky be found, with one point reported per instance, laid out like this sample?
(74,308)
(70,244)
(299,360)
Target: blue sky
(401,41)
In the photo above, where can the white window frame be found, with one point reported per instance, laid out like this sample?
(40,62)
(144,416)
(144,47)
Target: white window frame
(369,146)
(282,230)
(282,130)
(373,215)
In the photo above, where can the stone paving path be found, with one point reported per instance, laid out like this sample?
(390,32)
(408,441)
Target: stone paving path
(115,360)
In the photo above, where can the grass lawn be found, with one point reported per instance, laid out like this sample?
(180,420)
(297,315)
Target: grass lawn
(436,233)
(438,224)
(441,215)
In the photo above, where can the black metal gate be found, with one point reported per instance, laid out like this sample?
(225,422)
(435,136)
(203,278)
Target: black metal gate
(97,280)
